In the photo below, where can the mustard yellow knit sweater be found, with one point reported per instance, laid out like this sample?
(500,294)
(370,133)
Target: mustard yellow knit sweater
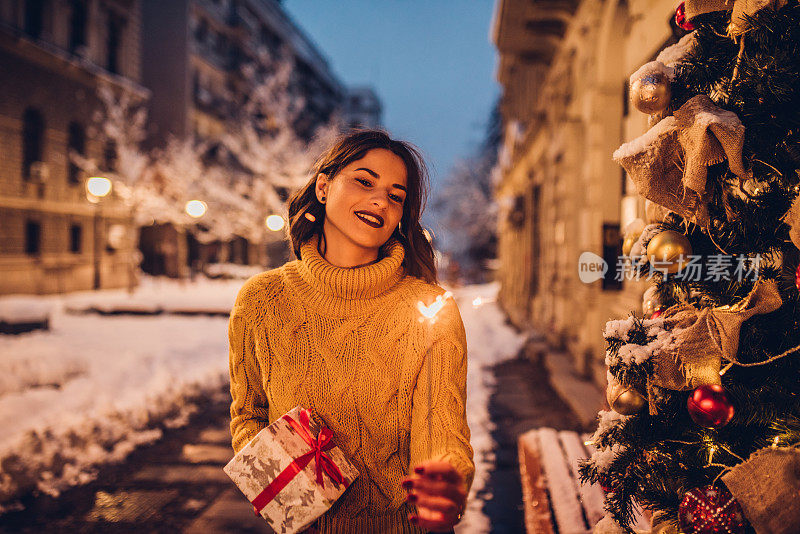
(349,345)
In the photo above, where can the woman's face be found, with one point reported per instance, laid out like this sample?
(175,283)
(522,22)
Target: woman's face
(364,202)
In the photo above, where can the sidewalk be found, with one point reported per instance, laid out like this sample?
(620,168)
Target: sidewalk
(175,485)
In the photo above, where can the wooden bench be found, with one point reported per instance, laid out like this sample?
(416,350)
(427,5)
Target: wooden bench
(554,499)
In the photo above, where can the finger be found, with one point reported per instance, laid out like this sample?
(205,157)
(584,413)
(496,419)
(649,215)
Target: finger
(439,488)
(448,507)
(438,469)
(432,521)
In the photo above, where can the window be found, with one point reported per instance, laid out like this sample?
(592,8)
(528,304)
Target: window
(33,237)
(34,17)
(110,155)
(612,250)
(76,143)
(77,25)
(113,41)
(32,140)
(201,34)
(75,238)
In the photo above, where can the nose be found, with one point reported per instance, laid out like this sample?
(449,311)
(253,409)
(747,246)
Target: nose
(380,199)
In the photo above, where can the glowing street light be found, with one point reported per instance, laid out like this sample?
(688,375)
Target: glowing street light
(97,187)
(275,223)
(196,208)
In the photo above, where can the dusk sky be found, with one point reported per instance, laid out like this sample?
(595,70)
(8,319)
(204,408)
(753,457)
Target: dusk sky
(430,61)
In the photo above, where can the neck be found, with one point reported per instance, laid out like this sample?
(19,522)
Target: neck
(341,252)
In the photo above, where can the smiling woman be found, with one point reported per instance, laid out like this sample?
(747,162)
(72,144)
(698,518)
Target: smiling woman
(338,332)
(366,178)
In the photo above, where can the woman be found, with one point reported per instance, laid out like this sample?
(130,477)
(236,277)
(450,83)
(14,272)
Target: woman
(339,331)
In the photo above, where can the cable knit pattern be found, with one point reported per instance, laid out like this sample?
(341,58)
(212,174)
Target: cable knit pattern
(349,345)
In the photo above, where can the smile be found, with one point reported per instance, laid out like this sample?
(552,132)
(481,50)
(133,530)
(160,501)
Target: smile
(375,221)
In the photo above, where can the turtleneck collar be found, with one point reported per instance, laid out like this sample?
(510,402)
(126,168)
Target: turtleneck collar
(328,285)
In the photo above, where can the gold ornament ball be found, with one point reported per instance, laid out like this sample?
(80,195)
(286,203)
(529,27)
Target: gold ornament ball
(651,93)
(627,244)
(624,399)
(667,248)
(632,233)
(650,306)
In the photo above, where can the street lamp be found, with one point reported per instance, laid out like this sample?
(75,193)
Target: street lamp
(97,188)
(195,208)
(275,223)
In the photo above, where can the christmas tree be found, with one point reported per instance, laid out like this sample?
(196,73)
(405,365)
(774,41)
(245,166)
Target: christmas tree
(704,388)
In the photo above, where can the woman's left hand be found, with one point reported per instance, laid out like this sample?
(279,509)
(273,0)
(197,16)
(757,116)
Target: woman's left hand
(437,490)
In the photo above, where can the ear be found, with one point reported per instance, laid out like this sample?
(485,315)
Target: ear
(321,187)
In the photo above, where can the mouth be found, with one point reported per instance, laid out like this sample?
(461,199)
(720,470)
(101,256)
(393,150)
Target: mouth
(373,220)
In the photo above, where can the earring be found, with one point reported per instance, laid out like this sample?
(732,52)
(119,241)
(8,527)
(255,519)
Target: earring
(400,228)
(310,217)
(322,200)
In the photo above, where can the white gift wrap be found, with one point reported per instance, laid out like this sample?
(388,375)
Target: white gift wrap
(268,454)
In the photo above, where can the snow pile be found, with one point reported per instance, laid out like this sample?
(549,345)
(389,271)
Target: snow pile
(677,52)
(24,309)
(489,341)
(647,140)
(231,270)
(156,295)
(93,388)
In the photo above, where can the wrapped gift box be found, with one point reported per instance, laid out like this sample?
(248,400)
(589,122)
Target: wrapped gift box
(291,471)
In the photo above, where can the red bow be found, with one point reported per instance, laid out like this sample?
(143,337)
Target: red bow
(323,462)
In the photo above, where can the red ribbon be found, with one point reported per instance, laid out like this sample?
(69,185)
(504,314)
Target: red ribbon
(323,462)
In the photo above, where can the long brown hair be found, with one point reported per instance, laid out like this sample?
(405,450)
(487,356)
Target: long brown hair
(351,147)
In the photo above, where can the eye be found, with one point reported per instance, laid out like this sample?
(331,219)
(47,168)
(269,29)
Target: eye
(396,198)
(364,182)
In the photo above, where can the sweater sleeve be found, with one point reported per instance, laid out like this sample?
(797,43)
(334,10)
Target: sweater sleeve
(448,433)
(249,413)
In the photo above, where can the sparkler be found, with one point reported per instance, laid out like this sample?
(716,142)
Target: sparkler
(428,313)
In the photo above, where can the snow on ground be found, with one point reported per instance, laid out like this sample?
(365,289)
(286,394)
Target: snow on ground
(94,387)
(489,341)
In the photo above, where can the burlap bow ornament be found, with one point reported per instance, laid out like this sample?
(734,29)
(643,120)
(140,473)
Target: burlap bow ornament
(792,218)
(669,163)
(741,9)
(701,338)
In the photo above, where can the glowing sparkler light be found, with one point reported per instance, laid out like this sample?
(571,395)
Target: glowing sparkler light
(477,302)
(429,312)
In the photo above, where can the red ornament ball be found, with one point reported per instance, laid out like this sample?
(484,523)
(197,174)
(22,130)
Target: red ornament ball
(709,406)
(657,314)
(710,510)
(680,18)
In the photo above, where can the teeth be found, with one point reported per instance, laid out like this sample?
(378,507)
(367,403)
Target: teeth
(369,218)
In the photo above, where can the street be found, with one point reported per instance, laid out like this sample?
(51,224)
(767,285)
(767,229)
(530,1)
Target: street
(177,483)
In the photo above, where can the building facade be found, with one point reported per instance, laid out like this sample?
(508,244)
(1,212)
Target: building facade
(362,108)
(54,55)
(193,57)
(564,68)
